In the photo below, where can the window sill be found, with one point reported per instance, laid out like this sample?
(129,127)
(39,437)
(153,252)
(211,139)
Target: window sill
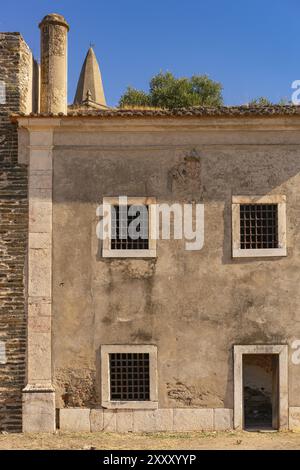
(130,405)
(259,253)
(128,253)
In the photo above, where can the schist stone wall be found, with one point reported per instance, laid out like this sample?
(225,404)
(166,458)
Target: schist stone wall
(17,71)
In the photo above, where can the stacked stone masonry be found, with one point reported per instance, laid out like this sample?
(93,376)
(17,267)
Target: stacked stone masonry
(15,58)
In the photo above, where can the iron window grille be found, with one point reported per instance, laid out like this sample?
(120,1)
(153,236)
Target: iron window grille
(258,226)
(121,220)
(129,376)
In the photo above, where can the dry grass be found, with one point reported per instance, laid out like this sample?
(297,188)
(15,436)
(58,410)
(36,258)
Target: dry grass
(142,108)
(159,441)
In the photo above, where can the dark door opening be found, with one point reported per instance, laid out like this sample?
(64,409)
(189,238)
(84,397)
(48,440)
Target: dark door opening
(261,391)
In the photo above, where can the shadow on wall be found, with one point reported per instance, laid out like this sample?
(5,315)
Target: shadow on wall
(214,176)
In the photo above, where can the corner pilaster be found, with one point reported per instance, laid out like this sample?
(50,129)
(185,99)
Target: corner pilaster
(38,395)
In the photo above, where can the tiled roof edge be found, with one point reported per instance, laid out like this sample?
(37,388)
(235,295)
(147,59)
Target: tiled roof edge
(274,110)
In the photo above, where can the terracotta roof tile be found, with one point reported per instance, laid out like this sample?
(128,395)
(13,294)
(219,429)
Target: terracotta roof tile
(274,110)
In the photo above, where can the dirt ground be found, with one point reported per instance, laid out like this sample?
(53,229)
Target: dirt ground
(129,441)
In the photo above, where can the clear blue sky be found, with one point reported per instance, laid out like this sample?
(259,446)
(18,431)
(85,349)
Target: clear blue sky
(251,46)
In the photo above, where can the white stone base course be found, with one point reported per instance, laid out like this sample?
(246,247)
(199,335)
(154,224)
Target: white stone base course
(223,419)
(96,420)
(75,419)
(162,419)
(193,420)
(294,418)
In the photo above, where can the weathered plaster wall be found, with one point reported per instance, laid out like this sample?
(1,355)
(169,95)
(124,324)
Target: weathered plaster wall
(193,305)
(16,73)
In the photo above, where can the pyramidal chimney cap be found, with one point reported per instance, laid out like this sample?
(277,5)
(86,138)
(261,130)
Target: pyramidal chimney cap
(90,87)
(54,18)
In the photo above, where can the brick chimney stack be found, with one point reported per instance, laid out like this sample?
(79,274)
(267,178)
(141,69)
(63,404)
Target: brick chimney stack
(54,30)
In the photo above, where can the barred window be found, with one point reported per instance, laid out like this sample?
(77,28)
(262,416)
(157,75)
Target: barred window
(258,226)
(129,226)
(129,376)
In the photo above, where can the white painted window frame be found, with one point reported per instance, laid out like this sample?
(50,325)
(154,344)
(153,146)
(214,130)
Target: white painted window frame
(106,402)
(237,252)
(107,252)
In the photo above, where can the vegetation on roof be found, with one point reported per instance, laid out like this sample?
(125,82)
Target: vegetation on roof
(168,92)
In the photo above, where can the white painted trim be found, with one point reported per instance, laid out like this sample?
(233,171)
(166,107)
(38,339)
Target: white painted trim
(267,199)
(237,252)
(105,379)
(107,252)
(282,351)
(259,253)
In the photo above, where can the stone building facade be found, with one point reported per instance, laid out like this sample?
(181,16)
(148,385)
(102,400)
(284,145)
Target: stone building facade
(147,335)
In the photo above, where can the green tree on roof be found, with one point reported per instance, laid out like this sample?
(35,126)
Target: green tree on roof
(167,91)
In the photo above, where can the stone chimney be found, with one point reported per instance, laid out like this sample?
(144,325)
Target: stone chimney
(54,29)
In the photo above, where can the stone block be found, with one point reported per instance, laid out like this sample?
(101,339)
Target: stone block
(223,419)
(144,421)
(294,418)
(74,419)
(124,420)
(40,179)
(110,420)
(39,324)
(187,419)
(38,412)
(164,419)
(40,160)
(39,273)
(40,195)
(96,418)
(39,307)
(41,138)
(40,240)
(153,420)
(40,216)
(39,357)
